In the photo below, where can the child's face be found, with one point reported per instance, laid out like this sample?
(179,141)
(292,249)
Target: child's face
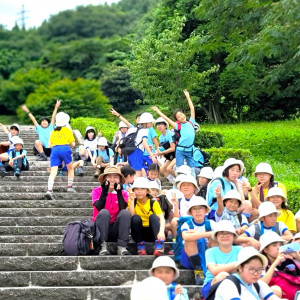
(148,125)
(198,213)
(153,174)
(44,123)
(263,177)
(14,131)
(140,193)
(102,148)
(277,200)
(165,274)
(180,117)
(232,204)
(202,181)
(233,173)
(161,127)
(130,179)
(270,220)
(123,129)
(245,271)
(112,178)
(225,238)
(272,250)
(187,189)
(91,135)
(18,147)
(154,192)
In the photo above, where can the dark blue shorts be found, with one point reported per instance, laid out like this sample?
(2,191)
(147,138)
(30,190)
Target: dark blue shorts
(59,154)
(205,289)
(135,159)
(184,260)
(147,161)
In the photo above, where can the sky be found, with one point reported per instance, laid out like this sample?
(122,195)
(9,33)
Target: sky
(36,11)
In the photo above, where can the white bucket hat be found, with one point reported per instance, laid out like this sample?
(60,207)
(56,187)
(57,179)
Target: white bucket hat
(150,288)
(206,172)
(233,194)
(296,236)
(15,125)
(18,140)
(263,168)
(122,125)
(164,261)
(183,169)
(243,166)
(267,208)
(146,118)
(268,238)
(90,128)
(198,201)
(140,182)
(153,185)
(62,119)
(179,178)
(189,179)
(161,120)
(231,162)
(223,225)
(276,191)
(218,172)
(102,141)
(249,252)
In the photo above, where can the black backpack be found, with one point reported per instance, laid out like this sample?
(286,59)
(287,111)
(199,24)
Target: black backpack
(127,143)
(81,238)
(212,291)
(206,157)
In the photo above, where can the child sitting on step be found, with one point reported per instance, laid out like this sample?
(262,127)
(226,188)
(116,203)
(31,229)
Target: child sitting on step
(147,219)
(87,150)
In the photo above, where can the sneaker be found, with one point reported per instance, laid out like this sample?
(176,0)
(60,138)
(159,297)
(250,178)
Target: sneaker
(41,157)
(49,195)
(199,277)
(60,172)
(158,248)
(141,248)
(171,252)
(123,251)
(17,172)
(104,250)
(86,163)
(79,172)
(70,190)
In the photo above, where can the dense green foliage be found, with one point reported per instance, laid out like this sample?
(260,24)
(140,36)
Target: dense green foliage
(208,139)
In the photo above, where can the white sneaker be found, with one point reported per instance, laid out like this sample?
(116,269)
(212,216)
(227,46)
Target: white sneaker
(123,251)
(70,190)
(104,250)
(49,195)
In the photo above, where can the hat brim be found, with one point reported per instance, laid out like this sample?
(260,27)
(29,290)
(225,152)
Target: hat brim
(261,256)
(150,272)
(214,233)
(101,176)
(264,214)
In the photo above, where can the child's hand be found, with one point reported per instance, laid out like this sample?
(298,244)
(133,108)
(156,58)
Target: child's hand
(11,162)
(155,108)
(178,289)
(161,236)
(257,187)
(114,112)
(254,243)
(24,108)
(57,105)
(280,259)
(174,199)
(154,160)
(99,133)
(218,190)
(186,93)
(131,194)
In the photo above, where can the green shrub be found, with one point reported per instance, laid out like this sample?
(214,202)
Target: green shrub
(219,155)
(293,192)
(107,128)
(208,139)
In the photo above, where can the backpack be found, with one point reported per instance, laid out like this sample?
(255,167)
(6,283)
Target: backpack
(205,161)
(166,146)
(177,135)
(178,244)
(151,203)
(212,291)
(259,230)
(81,238)
(127,143)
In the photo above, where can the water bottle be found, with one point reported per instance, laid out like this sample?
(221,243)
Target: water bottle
(288,248)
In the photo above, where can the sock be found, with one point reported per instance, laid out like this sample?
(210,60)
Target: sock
(195,261)
(70,182)
(50,184)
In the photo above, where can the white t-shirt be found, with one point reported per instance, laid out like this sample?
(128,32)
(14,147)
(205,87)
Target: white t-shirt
(143,133)
(184,206)
(228,291)
(91,144)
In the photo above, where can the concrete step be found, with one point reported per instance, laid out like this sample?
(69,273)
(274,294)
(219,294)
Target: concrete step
(20,188)
(31,238)
(32,230)
(41,196)
(42,179)
(76,293)
(54,249)
(45,204)
(46,173)
(41,221)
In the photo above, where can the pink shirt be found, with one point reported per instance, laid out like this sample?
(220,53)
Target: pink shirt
(111,203)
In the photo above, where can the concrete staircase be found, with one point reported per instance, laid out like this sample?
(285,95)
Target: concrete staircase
(32,265)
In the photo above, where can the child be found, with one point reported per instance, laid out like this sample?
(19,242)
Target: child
(184,147)
(267,222)
(147,221)
(228,210)
(102,157)
(135,159)
(61,141)
(195,234)
(164,268)
(221,260)
(250,266)
(43,129)
(17,158)
(87,150)
(110,210)
(128,174)
(204,178)
(166,145)
(278,262)
(277,197)
(121,133)
(120,160)
(153,174)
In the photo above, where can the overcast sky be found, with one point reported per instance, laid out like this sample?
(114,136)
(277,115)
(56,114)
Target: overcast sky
(38,10)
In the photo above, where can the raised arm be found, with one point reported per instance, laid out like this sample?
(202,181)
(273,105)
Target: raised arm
(190,102)
(30,115)
(4,128)
(219,200)
(115,113)
(55,111)
(156,109)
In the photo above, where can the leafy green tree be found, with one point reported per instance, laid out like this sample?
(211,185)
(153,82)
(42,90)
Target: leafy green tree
(80,98)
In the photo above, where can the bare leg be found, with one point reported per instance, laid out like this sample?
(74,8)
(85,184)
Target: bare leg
(38,146)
